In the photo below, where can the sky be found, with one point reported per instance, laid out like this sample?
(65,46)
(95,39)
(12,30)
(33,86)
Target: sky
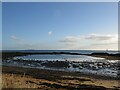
(60,25)
(60,0)
(0,26)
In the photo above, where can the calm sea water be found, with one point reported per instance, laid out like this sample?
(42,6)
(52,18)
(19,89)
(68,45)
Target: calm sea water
(76,51)
(60,57)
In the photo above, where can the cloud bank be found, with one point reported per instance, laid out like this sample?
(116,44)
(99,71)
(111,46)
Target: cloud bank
(91,41)
(78,42)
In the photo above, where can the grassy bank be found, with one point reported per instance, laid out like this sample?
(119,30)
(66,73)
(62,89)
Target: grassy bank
(17,77)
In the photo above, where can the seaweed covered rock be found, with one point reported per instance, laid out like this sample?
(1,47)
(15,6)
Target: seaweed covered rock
(56,64)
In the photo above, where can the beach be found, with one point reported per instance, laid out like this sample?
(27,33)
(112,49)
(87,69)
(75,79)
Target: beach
(60,71)
(17,77)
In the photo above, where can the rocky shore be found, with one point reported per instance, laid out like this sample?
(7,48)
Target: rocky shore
(97,68)
(18,77)
(60,75)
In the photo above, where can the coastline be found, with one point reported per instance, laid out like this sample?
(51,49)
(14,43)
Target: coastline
(28,77)
(116,56)
(38,78)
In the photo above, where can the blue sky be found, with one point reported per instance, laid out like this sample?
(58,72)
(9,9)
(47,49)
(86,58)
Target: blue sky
(60,25)
(0,26)
(60,0)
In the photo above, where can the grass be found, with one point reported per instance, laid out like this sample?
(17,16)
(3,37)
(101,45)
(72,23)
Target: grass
(16,77)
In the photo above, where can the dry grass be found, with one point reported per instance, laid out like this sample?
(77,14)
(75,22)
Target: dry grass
(53,80)
(19,81)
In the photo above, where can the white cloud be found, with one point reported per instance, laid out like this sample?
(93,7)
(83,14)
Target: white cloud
(71,39)
(91,41)
(19,44)
(50,33)
(17,39)
(99,37)
(13,37)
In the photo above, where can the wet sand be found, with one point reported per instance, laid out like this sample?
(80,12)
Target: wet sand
(19,77)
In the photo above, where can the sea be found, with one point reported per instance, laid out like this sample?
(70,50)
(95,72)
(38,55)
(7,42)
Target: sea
(75,51)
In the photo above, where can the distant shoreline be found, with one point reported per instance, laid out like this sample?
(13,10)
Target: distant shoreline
(105,55)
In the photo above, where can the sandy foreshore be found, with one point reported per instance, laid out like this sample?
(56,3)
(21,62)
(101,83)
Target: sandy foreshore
(19,77)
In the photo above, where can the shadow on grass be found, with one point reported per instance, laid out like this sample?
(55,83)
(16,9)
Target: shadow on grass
(73,87)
